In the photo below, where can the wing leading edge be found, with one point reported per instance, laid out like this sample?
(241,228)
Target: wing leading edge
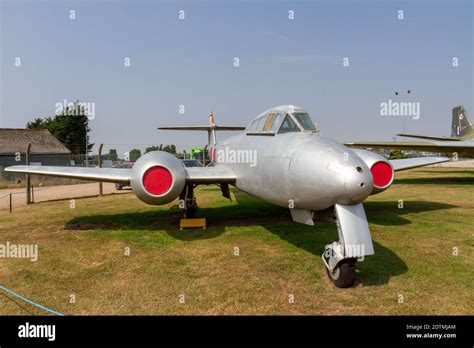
(409,163)
(118,175)
(463,148)
(428,137)
(196,175)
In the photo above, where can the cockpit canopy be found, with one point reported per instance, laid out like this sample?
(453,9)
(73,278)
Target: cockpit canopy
(282,119)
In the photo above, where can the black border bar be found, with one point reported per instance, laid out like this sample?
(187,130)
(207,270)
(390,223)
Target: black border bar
(338,330)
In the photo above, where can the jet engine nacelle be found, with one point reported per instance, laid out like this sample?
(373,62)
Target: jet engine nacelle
(381,169)
(157,177)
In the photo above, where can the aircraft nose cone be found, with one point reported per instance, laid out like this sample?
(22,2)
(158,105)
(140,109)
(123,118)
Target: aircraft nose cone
(358,184)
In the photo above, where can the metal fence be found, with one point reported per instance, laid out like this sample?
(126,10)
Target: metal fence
(11,199)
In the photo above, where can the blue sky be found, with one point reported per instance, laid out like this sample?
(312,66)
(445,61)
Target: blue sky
(190,62)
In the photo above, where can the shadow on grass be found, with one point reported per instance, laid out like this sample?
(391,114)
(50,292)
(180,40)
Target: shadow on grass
(453,180)
(387,213)
(153,220)
(374,270)
(454,171)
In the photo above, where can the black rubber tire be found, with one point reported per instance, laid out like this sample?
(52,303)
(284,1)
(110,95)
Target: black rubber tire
(343,275)
(118,187)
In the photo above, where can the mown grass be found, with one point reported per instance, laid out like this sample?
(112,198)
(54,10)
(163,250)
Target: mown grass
(81,253)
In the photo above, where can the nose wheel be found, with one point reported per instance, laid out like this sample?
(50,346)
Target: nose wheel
(341,270)
(343,275)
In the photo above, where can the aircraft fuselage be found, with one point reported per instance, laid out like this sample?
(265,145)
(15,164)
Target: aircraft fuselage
(303,170)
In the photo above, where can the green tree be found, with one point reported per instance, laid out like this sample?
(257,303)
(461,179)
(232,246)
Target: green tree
(135,154)
(397,154)
(167,148)
(152,148)
(37,123)
(112,155)
(71,127)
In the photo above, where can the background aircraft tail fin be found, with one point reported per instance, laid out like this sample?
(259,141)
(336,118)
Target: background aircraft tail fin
(461,126)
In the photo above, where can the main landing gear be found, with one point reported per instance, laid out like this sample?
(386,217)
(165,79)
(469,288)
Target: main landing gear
(187,202)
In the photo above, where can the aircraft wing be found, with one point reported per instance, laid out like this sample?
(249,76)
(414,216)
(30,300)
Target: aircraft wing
(409,163)
(197,175)
(119,175)
(219,174)
(429,137)
(463,148)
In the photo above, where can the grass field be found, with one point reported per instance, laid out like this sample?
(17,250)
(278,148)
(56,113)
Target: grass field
(82,253)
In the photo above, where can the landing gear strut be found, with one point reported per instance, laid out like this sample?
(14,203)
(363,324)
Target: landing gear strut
(187,202)
(354,242)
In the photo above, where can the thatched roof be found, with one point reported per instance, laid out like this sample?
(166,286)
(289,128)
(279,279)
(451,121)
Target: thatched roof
(13,140)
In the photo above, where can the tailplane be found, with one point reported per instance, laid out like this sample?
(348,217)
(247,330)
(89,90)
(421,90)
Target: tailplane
(461,126)
(211,132)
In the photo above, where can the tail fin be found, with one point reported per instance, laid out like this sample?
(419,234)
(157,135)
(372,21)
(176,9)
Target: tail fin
(211,133)
(461,126)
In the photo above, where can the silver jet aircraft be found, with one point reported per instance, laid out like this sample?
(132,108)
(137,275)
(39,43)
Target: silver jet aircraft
(281,158)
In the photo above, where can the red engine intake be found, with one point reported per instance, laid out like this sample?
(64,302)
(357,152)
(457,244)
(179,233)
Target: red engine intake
(382,174)
(158,178)
(380,168)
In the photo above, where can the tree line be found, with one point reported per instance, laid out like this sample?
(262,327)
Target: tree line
(71,127)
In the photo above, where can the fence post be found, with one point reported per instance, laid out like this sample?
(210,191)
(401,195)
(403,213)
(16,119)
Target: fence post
(10,202)
(99,162)
(28,180)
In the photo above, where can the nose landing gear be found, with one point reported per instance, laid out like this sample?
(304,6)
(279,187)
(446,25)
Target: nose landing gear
(354,243)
